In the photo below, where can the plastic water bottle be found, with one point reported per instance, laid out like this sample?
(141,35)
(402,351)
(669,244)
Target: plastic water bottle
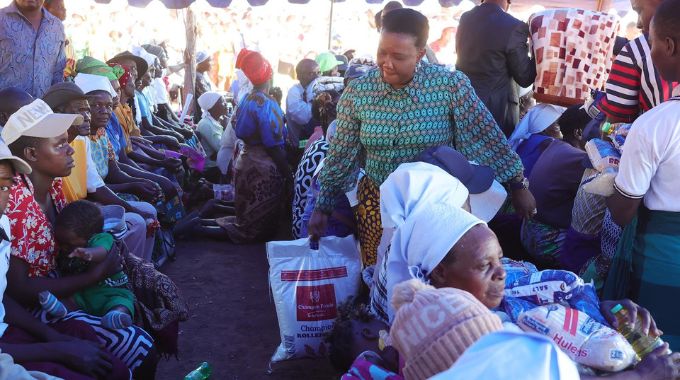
(203,372)
(642,343)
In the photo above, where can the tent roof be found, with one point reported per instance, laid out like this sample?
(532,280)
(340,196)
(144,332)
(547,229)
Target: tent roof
(516,4)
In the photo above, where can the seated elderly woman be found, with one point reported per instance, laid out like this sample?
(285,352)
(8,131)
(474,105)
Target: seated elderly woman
(210,130)
(466,257)
(450,321)
(100,97)
(417,187)
(140,151)
(85,181)
(554,181)
(40,138)
(131,162)
(534,132)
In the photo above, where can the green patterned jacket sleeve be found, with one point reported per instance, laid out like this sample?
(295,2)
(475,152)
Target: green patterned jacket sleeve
(477,135)
(343,153)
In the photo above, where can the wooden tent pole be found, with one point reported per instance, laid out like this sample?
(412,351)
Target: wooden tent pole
(330,26)
(189,53)
(601,5)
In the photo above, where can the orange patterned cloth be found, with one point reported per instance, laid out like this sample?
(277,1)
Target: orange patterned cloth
(124,114)
(369,224)
(573,50)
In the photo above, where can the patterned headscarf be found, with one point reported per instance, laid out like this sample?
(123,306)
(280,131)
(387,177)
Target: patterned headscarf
(125,77)
(89,65)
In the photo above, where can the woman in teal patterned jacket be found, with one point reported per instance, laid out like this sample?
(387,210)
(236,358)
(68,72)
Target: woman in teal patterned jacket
(394,113)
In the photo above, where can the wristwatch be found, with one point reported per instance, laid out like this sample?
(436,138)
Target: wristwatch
(519,185)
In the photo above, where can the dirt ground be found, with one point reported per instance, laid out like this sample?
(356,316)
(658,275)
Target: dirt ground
(233,323)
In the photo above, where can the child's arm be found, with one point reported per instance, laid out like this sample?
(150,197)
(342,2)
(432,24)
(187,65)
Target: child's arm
(92,254)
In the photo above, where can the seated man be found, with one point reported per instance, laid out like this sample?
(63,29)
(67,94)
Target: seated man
(138,67)
(163,111)
(99,92)
(151,123)
(13,98)
(119,140)
(85,182)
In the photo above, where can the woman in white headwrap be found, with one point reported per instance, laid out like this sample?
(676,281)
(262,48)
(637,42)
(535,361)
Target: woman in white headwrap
(422,209)
(535,132)
(210,130)
(434,239)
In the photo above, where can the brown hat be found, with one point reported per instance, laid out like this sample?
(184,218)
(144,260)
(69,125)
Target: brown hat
(142,66)
(62,93)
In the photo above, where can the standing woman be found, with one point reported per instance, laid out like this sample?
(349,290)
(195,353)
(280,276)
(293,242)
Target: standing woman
(396,112)
(262,172)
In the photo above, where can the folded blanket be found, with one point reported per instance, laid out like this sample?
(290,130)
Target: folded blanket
(573,50)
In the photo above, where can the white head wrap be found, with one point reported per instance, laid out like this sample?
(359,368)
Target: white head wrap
(537,120)
(90,82)
(422,204)
(207,101)
(202,56)
(509,355)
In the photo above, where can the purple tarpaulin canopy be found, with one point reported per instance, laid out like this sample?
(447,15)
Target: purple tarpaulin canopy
(179,4)
(622,5)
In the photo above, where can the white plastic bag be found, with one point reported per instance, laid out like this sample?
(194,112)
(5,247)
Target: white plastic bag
(307,286)
(582,338)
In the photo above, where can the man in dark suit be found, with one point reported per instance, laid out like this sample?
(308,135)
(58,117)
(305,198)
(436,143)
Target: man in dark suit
(493,52)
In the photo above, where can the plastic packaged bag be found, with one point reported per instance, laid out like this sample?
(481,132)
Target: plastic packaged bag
(307,286)
(544,287)
(605,157)
(581,337)
(553,286)
(602,154)
(513,307)
(602,183)
(619,135)
(515,270)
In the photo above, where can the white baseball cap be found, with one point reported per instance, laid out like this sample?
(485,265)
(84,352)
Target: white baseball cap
(38,120)
(202,56)
(19,165)
(486,205)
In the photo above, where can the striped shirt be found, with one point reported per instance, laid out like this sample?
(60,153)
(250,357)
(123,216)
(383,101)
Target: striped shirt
(391,127)
(634,86)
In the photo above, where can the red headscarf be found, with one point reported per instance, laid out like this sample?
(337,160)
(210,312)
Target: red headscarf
(239,58)
(125,78)
(256,68)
